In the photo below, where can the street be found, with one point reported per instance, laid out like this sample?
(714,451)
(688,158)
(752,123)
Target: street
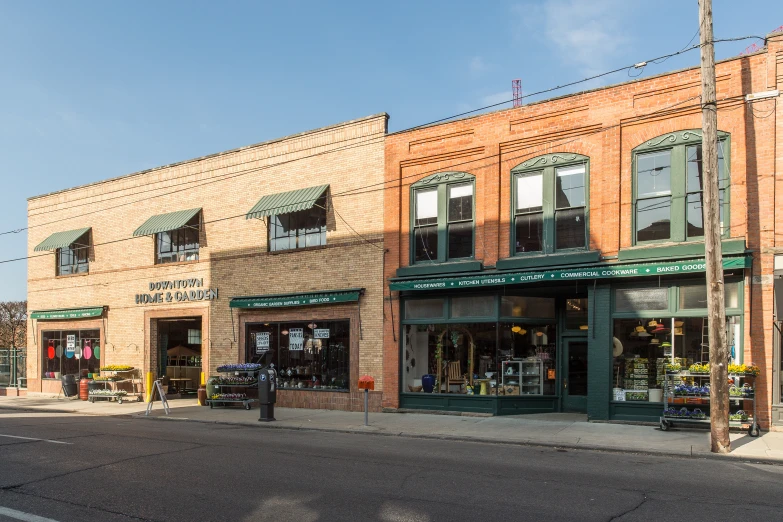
(68,467)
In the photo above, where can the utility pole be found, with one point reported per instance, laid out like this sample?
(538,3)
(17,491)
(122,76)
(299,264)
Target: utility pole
(716,307)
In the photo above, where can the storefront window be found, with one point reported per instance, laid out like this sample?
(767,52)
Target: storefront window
(424,308)
(643,347)
(308,355)
(518,306)
(695,296)
(475,306)
(438,358)
(75,352)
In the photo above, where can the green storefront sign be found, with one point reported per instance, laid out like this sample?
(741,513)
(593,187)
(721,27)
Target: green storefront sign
(75,313)
(295,300)
(600,272)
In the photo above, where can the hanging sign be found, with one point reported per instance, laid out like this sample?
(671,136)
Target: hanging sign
(296,339)
(321,333)
(70,346)
(262,342)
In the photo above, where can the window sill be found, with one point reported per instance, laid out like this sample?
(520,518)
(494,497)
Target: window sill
(538,260)
(672,250)
(65,276)
(440,268)
(178,263)
(294,250)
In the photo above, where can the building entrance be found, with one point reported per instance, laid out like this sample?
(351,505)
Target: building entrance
(180,355)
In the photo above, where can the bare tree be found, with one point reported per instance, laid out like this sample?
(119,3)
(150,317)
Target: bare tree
(13,324)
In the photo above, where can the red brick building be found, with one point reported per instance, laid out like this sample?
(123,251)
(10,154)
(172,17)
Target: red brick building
(550,257)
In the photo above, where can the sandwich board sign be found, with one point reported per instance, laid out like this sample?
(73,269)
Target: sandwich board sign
(157,387)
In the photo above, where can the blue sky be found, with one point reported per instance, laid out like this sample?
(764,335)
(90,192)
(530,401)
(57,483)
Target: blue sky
(95,89)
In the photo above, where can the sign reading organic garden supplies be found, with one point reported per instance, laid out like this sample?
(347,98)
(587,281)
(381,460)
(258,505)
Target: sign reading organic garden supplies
(262,342)
(296,339)
(177,291)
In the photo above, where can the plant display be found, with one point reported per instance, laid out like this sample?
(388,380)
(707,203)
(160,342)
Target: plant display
(636,396)
(116,368)
(109,393)
(106,378)
(684,413)
(237,379)
(673,367)
(689,390)
(229,396)
(740,415)
(699,368)
(743,369)
(244,367)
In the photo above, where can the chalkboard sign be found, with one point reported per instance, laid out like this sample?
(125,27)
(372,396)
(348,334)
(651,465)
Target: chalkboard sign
(157,387)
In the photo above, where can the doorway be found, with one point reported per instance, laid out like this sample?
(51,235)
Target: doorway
(574,398)
(179,355)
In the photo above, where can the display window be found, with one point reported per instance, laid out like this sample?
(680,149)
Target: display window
(70,352)
(308,355)
(510,357)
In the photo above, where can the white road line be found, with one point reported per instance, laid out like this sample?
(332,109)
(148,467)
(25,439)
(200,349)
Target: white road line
(31,438)
(21,515)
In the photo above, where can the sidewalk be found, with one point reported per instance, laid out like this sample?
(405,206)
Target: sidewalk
(558,429)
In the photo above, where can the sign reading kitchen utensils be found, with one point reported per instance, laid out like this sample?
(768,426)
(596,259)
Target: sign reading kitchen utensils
(262,342)
(296,339)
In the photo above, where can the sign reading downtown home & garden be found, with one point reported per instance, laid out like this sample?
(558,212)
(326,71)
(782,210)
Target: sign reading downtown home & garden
(602,272)
(177,291)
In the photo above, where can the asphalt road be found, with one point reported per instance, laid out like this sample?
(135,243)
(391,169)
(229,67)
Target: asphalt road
(120,469)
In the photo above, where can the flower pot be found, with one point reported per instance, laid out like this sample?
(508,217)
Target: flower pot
(655,395)
(202,395)
(428,383)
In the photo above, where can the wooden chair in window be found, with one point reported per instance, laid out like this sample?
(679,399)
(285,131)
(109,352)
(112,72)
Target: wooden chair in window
(453,375)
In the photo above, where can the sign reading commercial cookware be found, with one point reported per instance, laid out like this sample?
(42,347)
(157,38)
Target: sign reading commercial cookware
(262,342)
(177,291)
(296,339)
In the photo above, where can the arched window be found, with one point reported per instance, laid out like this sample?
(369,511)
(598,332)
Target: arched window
(549,204)
(442,218)
(668,184)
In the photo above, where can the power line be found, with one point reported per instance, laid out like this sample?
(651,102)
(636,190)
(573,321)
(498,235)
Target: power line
(360,143)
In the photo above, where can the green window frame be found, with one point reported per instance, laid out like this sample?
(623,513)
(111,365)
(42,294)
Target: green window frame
(558,221)
(443,216)
(667,188)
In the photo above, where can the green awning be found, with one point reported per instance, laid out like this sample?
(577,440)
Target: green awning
(166,222)
(68,313)
(605,271)
(61,239)
(348,295)
(287,202)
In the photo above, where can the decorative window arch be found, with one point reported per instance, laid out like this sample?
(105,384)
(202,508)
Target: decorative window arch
(549,204)
(668,187)
(443,218)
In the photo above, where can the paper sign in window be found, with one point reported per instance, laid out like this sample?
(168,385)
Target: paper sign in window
(296,339)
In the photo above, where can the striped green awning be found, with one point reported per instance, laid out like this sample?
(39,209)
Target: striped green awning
(166,222)
(287,202)
(348,295)
(68,313)
(61,239)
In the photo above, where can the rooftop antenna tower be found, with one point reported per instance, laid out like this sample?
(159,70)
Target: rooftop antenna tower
(516,90)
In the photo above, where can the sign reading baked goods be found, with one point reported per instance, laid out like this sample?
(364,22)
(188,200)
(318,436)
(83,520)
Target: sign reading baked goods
(177,291)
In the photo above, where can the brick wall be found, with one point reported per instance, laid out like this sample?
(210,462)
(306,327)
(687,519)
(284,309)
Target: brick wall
(605,125)
(234,256)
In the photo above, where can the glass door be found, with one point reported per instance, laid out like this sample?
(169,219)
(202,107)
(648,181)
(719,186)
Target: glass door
(575,375)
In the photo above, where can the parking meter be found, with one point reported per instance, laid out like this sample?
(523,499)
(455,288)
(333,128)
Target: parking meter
(267,394)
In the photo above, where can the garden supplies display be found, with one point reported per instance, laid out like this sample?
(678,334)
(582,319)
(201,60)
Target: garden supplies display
(239,377)
(637,374)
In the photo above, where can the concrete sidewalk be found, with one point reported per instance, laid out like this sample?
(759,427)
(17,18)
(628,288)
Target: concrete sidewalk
(557,429)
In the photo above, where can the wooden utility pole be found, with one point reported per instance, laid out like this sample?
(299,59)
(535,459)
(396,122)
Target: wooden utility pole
(716,307)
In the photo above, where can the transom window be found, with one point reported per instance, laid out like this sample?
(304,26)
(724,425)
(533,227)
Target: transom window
(443,218)
(305,228)
(669,187)
(181,244)
(550,204)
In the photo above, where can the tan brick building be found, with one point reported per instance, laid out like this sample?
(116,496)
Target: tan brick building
(539,248)
(149,269)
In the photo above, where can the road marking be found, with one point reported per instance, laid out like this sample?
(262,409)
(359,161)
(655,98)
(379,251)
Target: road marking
(31,438)
(21,515)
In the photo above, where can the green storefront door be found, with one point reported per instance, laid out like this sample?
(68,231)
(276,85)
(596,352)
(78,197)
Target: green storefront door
(575,375)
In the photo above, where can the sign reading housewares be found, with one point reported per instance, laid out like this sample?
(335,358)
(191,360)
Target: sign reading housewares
(604,272)
(296,339)
(262,342)
(177,291)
